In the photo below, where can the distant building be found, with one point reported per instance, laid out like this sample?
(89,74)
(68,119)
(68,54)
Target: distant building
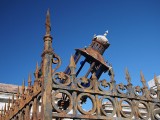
(151,83)
(6,92)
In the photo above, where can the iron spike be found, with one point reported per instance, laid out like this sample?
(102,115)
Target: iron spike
(143,79)
(155,80)
(36,71)
(48,24)
(128,78)
(29,80)
(17,95)
(23,86)
(72,62)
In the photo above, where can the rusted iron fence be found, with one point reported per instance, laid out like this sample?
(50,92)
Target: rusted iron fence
(65,95)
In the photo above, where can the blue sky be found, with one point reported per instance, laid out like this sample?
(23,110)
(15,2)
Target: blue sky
(133,25)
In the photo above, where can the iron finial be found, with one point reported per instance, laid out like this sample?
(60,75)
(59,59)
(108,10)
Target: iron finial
(17,95)
(23,86)
(29,80)
(48,24)
(156,83)
(94,76)
(155,80)
(128,78)
(143,79)
(36,71)
(72,62)
(111,72)
(37,68)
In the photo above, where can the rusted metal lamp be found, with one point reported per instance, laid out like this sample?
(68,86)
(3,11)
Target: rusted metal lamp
(93,55)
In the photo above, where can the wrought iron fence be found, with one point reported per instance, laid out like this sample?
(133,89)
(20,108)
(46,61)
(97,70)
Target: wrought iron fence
(63,95)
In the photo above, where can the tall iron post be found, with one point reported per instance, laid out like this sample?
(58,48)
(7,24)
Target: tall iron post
(47,56)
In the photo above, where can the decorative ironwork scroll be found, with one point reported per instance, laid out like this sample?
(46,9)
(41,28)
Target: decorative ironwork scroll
(119,101)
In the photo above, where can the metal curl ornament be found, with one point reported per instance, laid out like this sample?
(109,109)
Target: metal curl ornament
(85,83)
(103,84)
(121,87)
(60,78)
(56,60)
(138,90)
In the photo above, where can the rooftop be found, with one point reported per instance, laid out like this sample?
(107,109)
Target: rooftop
(8,88)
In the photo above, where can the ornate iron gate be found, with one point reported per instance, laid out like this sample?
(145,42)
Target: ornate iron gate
(65,95)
